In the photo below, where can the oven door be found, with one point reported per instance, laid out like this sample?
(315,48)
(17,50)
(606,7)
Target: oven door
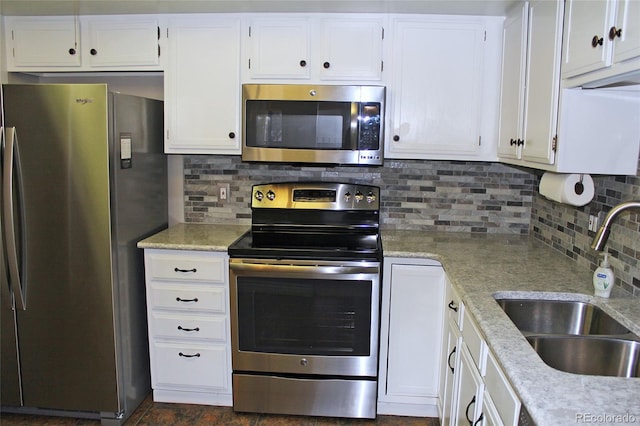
(305,317)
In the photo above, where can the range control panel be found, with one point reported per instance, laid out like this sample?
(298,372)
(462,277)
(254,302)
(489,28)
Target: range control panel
(316,195)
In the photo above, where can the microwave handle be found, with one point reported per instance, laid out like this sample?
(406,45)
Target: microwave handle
(355,125)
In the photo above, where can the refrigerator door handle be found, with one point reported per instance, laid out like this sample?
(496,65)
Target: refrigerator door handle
(10,169)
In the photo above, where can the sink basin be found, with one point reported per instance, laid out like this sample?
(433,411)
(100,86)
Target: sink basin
(598,356)
(560,317)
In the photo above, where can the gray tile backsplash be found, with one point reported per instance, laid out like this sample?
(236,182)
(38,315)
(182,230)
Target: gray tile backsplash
(449,196)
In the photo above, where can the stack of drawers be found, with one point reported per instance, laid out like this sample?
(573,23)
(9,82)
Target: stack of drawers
(189,335)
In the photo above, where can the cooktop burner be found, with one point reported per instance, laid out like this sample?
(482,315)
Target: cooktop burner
(312,220)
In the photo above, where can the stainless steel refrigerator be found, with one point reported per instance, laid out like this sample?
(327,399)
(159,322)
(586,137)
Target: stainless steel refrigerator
(84,179)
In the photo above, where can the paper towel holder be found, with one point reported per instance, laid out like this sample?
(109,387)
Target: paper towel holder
(579,186)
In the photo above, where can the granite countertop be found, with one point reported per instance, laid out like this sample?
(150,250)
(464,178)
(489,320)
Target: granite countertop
(481,267)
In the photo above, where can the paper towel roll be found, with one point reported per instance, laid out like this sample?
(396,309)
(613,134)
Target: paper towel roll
(573,189)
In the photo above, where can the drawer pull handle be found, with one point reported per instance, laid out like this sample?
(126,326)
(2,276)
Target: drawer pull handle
(186,300)
(466,412)
(188,329)
(196,355)
(449,360)
(453,307)
(185,270)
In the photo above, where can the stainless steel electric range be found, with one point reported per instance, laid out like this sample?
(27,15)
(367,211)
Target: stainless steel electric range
(305,299)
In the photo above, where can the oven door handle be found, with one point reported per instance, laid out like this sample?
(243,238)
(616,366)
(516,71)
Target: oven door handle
(315,268)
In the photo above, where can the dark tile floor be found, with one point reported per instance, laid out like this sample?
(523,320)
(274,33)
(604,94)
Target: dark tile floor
(160,414)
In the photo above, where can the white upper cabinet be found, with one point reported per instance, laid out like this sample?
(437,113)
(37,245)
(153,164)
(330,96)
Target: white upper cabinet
(351,49)
(560,130)
(531,84)
(443,91)
(514,65)
(279,48)
(601,35)
(121,42)
(202,85)
(36,42)
(85,43)
(316,47)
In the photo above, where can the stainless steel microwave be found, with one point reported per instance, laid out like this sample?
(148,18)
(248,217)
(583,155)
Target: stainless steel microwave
(325,124)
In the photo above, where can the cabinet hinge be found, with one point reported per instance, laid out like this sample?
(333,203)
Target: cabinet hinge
(554,143)
(381,66)
(12,35)
(158,51)
(383,33)
(167,32)
(485,35)
(249,63)
(158,32)
(167,134)
(479,140)
(249,30)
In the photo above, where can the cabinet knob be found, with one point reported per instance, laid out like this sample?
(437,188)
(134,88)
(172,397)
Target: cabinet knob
(595,41)
(72,51)
(396,138)
(232,135)
(512,142)
(520,142)
(93,52)
(615,32)
(326,65)
(303,63)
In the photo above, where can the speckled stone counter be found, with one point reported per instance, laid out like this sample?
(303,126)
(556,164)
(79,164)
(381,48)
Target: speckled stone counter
(195,237)
(481,267)
(484,266)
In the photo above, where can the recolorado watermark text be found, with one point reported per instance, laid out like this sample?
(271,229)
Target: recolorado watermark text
(606,418)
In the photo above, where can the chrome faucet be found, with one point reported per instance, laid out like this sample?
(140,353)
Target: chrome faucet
(603,233)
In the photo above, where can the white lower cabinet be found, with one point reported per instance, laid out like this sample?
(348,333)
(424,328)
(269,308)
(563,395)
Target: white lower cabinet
(473,388)
(410,336)
(189,335)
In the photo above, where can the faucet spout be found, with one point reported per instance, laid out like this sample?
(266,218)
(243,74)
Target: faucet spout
(603,232)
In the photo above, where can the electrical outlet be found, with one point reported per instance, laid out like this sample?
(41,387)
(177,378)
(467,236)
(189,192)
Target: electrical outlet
(593,223)
(223,192)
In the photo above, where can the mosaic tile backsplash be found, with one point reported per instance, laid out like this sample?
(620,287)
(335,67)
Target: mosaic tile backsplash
(449,196)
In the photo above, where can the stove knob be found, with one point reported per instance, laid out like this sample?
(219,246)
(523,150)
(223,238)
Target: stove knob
(259,195)
(371,197)
(347,196)
(359,196)
(271,195)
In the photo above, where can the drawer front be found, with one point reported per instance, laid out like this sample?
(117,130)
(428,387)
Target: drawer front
(186,266)
(165,325)
(454,306)
(504,398)
(474,341)
(188,298)
(186,366)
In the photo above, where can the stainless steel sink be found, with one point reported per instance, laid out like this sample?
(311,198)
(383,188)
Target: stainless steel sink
(589,355)
(560,317)
(576,337)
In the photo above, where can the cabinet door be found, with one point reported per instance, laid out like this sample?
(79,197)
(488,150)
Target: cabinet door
(415,330)
(202,86)
(626,45)
(586,44)
(543,81)
(43,42)
(436,88)
(279,48)
(450,364)
(126,41)
(513,82)
(350,49)
(470,391)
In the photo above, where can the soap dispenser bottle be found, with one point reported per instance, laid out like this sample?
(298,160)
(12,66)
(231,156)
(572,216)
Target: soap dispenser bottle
(603,278)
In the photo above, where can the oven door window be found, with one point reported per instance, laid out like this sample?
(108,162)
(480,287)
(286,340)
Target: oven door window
(300,125)
(304,316)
